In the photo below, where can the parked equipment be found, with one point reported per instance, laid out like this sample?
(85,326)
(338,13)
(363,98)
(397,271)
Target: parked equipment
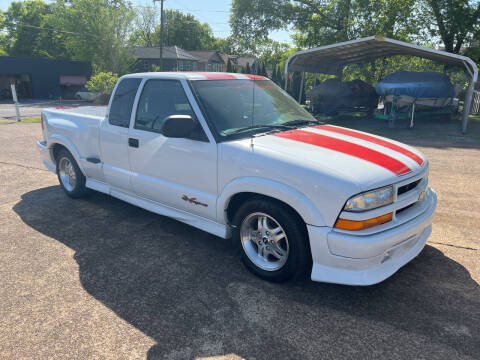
(333,95)
(408,94)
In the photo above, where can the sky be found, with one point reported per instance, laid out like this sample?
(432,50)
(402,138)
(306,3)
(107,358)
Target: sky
(214,12)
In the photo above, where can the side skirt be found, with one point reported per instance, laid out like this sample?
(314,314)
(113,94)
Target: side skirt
(199,222)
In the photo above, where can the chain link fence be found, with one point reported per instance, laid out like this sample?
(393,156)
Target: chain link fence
(476,103)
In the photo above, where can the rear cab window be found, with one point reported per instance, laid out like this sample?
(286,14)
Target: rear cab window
(122,102)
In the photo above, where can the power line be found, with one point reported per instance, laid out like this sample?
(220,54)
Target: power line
(185,9)
(48,29)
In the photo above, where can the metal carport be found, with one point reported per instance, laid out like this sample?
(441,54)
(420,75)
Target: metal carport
(331,59)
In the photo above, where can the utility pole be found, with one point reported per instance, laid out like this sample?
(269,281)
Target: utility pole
(161,33)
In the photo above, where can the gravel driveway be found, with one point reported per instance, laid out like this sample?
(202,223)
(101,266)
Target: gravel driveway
(98,278)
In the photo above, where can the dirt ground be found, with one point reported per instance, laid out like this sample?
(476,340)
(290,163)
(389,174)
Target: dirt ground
(98,278)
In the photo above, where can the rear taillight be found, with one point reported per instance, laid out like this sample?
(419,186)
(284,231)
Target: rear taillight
(43,120)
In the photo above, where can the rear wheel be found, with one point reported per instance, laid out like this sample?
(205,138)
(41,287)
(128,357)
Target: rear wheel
(272,239)
(69,175)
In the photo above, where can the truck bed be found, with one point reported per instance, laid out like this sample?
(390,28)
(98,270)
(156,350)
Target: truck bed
(97,111)
(78,129)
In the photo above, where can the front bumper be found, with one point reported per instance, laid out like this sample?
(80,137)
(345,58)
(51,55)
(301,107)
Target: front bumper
(46,156)
(390,250)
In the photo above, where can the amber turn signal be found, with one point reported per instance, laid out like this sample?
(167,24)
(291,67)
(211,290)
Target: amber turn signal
(354,225)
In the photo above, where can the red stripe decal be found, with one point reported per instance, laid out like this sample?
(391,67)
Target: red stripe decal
(372,139)
(212,75)
(255,77)
(348,148)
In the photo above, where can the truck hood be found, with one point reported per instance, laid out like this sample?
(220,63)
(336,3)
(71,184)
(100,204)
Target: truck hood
(369,161)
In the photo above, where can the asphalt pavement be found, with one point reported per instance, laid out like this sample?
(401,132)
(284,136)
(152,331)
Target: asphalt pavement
(99,278)
(33,107)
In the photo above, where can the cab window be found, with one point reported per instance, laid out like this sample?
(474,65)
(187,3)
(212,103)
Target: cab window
(161,99)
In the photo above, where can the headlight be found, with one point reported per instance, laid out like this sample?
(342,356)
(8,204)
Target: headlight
(370,200)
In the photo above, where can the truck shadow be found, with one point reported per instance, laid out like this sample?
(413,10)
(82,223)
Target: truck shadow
(185,289)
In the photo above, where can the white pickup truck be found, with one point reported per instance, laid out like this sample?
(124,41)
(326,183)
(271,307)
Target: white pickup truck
(235,156)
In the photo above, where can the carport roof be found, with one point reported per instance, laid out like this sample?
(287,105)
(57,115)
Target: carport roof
(330,59)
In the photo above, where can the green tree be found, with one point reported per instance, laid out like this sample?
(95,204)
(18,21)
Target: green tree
(318,23)
(3,37)
(97,31)
(185,31)
(474,53)
(455,21)
(274,75)
(146,22)
(228,45)
(229,66)
(182,30)
(23,23)
(263,69)
(271,52)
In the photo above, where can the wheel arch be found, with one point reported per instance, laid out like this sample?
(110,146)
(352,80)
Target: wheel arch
(242,189)
(58,143)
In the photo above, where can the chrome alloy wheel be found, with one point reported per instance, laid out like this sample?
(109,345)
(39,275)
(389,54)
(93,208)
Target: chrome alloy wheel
(66,172)
(264,241)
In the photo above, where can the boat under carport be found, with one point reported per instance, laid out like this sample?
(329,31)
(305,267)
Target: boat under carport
(331,59)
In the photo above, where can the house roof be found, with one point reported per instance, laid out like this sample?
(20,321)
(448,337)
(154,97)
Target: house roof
(169,52)
(207,56)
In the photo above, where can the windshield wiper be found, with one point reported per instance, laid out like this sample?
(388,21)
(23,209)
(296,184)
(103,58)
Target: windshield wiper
(259,127)
(301,122)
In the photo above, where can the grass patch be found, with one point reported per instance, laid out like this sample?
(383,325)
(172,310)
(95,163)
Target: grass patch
(27,121)
(32,120)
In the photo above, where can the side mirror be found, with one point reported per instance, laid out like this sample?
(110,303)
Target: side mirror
(178,126)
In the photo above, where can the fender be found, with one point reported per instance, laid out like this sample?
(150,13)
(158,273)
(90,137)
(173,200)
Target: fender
(62,140)
(273,189)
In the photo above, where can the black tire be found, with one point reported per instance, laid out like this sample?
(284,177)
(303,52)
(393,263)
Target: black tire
(79,190)
(370,112)
(299,260)
(388,107)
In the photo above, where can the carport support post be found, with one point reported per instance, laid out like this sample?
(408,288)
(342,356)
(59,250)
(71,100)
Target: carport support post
(467,104)
(300,92)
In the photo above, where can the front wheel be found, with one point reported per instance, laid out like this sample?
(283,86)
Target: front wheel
(272,239)
(69,175)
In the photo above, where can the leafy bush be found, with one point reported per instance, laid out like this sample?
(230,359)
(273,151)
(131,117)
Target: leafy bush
(102,83)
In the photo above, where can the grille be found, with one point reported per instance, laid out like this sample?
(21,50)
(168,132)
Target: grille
(403,189)
(405,208)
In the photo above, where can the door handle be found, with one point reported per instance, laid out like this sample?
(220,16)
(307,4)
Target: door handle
(133,142)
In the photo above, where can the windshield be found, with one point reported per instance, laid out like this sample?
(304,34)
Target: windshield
(235,107)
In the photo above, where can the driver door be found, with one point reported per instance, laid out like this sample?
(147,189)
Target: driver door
(177,172)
